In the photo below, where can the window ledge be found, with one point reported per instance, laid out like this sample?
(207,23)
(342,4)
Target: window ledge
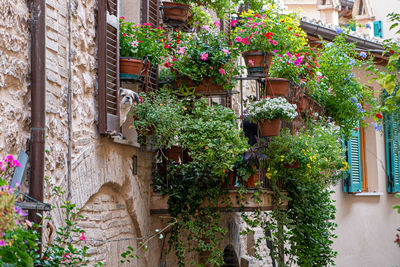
(369,194)
(119,140)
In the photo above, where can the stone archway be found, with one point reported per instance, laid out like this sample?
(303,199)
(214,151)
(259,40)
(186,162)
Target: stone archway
(230,257)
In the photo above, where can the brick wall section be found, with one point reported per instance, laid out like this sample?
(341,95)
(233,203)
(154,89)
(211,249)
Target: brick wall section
(14,75)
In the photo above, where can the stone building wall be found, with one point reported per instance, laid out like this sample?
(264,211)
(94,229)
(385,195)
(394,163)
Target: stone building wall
(14,76)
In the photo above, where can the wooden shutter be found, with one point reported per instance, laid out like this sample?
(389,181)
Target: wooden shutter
(392,154)
(378,28)
(352,181)
(150,13)
(108,66)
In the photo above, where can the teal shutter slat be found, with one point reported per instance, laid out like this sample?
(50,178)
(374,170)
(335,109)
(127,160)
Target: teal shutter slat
(392,154)
(352,181)
(378,28)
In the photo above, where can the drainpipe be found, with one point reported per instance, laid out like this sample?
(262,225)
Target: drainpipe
(38,92)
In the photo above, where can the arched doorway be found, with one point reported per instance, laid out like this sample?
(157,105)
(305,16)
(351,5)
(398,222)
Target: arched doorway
(230,258)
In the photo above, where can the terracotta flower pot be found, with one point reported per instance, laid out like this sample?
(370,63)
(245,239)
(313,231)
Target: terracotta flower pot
(175,11)
(252,180)
(270,128)
(132,66)
(205,86)
(257,62)
(277,87)
(294,165)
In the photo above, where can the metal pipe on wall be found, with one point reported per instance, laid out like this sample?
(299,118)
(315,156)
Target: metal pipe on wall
(38,103)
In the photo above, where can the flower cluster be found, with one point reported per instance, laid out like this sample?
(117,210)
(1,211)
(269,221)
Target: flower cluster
(267,31)
(206,54)
(140,41)
(270,109)
(287,66)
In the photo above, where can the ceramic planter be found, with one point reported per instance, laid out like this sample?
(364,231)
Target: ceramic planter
(257,62)
(277,87)
(175,12)
(270,128)
(131,66)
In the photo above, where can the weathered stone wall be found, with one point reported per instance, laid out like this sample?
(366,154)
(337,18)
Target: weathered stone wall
(14,75)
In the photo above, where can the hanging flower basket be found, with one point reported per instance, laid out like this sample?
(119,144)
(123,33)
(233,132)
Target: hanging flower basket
(257,62)
(270,128)
(277,87)
(175,12)
(132,66)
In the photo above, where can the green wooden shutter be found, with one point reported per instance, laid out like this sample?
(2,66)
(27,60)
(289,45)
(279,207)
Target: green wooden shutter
(392,154)
(352,180)
(378,28)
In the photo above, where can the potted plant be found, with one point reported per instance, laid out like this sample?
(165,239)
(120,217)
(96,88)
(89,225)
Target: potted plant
(202,60)
(139,47)
(269,112)
(248,171)
(285,69)
(258,34)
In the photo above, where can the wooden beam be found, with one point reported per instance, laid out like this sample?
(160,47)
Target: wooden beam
(159,203)
(33,206)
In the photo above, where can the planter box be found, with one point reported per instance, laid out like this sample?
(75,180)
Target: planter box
(206,85)
(133,66)
(175,12)
(257,62)
(277,87)
(270,128)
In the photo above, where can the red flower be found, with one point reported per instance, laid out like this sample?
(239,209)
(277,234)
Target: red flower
(167,46)
(268,35)
(122,18)
(83,238)
(290,28)
(124,34)
(167,64)
(378,115)
(391,52)
(257,16)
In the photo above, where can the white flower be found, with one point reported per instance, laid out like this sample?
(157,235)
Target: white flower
(134,44)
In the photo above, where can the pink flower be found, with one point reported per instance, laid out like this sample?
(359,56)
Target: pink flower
(28,222)
(217,24)
(211,68)
(204,56)
(226,51)
(167,64)
(251,62)
(174,59)
(233,22)
(181,50)
(238,39)
(222,71)
(205,27)
(146,24)
(122,18)
(124,34)
(83,237)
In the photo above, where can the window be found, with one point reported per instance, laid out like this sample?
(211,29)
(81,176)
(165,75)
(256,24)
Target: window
(354,180)
(108,66)
(392,153)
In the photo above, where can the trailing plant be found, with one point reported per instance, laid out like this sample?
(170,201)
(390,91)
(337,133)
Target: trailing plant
(220,7)
(270,109)
(214,143)
(141,41)
(337,89)
(303,232)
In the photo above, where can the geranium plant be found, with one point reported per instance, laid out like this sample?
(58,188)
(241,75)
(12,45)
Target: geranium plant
(270,109)
(287,66)
(268,30)
(203,55)
(141,41)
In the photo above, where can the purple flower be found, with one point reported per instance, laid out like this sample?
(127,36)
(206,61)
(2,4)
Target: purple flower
(2,243)
(353,99)
(368,26)
(376,126)
(363,54)
(339,30)
(352,62)
(20,212)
